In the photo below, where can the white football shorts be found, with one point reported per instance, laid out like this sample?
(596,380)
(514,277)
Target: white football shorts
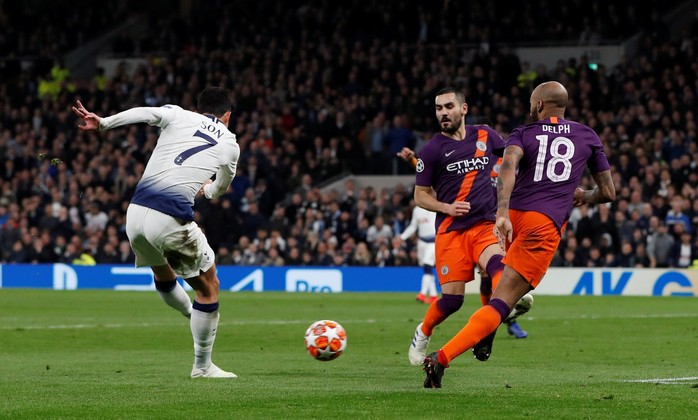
(426,253)
(158,239)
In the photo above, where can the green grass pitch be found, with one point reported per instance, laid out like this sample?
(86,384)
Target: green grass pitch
(125,355)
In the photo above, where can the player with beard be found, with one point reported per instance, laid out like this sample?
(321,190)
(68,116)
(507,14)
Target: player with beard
(453,179)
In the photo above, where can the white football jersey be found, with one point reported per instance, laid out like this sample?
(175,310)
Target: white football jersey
(423,222)
(191,148)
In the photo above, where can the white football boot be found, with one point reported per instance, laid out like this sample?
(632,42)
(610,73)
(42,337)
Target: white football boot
(213,371)
(522,306)
(418,348)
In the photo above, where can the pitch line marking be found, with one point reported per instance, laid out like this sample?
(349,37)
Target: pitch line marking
(151,325)
(669,381)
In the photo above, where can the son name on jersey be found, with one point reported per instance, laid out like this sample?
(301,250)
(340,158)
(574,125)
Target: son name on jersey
(212,128)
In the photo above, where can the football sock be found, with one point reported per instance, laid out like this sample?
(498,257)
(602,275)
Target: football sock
(204,323)
(431,285)
(440,310)
(173,294)
(481,324)
(425,285)
(494,269)
(485,288)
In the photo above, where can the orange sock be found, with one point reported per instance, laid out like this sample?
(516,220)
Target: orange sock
(495,279)
(432,318)
(481,324)
(484,299)
(490,278)
(485,288)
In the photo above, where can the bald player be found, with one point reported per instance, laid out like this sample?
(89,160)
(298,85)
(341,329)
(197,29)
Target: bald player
(537,187)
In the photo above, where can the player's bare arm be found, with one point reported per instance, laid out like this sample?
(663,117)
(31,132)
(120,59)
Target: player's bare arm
(424,198)
(604,191)
(90,120)
(505,185)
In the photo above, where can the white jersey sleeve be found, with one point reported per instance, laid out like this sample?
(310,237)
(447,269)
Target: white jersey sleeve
(224,177)
(426,224)
(423,222)
(158,117)
(412,227)
(191,148)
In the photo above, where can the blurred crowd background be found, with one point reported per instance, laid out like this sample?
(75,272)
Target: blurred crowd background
(323,90)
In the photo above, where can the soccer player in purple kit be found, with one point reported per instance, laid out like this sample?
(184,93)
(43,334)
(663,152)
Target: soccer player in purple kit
(453,179)
(533,206)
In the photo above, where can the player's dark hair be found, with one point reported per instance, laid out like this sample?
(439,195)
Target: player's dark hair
(214,100)
(459,93)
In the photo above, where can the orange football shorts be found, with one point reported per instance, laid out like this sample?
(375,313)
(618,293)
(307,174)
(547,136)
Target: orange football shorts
(534,244)
(457,251)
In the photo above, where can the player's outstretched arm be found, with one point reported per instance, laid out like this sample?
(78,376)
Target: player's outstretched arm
(90,121)
(604,191)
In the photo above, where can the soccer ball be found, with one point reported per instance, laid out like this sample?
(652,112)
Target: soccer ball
(325,340)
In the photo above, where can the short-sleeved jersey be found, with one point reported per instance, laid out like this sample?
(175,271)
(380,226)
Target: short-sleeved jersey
(191,148)
(460,170)
(555,154)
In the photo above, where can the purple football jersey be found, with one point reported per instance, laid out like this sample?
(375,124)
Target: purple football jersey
(556,153)
(461,170)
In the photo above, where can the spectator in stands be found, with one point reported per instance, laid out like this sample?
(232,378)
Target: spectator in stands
(677,216)
(683,252)
(96,219)
(378,232)
(659,247)
(362,255)
(126,255)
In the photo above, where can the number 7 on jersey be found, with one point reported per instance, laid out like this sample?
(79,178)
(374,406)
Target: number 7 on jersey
(189,152)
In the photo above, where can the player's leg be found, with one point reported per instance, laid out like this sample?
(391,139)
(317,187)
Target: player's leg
(454,263)
(451,300)
(455,268)
(485,287)
(190,256)
(522,307)
(204,323)
(513,327)
(427,258)
(480,325)
(536,239)
(142,224)
(491,259)
(171,292)
(430,280)
(486,319)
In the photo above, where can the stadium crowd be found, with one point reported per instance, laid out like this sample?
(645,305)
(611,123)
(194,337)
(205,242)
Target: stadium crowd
(314,104)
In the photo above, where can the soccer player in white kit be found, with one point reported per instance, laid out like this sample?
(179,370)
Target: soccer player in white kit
(423,222)
(192,147)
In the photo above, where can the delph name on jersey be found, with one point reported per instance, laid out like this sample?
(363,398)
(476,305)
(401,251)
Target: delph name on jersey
(556,129)
(467,165)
